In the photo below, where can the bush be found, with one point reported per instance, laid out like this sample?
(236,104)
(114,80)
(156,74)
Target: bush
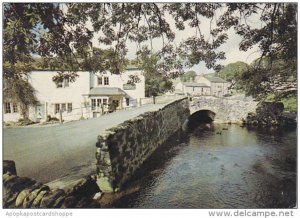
(49,118)
(54,119)
(25,122)
(227,95)
(290,103)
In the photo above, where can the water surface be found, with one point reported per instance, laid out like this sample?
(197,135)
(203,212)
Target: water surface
(224,167)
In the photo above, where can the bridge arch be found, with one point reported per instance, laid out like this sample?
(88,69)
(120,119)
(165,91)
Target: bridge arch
(200,117)
(226,110)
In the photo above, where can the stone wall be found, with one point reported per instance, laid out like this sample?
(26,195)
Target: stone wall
(23,192)
(227,110)
(122,150)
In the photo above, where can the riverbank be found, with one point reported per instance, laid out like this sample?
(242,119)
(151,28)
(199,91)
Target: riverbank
(271,114)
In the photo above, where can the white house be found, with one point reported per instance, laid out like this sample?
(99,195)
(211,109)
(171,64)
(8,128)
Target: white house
(218,86)
(89,96)
(192,88)
(203,85)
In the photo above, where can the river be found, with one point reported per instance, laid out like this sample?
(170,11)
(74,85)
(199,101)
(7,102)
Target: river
(226,166)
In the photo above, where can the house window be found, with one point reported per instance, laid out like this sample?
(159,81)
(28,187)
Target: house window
(98,102)
(63,107)
(63,84)
(57,108)
(104,101)
(7,108)
(106,80)
(93,104)
(69,107)
(15,108)
(99,80)
(127,101)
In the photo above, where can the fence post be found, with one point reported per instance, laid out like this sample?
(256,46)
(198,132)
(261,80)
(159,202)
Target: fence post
(46,110)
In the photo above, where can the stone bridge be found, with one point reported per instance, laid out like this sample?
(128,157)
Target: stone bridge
(222,110)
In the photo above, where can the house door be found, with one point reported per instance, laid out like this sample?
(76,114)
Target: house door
(40,113)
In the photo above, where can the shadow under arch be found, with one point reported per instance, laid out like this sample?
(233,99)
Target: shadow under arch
(198,118)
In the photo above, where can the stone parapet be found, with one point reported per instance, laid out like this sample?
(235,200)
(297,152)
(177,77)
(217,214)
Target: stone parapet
(23,192)
(123,149)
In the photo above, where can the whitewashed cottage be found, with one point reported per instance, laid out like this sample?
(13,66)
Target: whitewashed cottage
(203,85)
(89,96)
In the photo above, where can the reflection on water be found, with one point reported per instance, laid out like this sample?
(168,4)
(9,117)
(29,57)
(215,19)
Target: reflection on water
(222,167)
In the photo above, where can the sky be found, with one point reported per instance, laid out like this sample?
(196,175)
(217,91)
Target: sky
(231,47)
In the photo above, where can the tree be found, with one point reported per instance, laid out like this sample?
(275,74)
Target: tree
(188,76)
(232,73)
(32,29)
(278,80)
(277,40)
(157,85)
(49,31)
(155,81)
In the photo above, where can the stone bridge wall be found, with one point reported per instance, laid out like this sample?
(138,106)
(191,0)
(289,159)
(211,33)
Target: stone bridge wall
(122,150)
(227,110)
(23,192)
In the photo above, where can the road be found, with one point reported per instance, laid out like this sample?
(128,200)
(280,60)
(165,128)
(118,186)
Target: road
(62,152)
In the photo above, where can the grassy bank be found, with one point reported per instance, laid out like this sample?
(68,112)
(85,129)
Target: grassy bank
(289,102)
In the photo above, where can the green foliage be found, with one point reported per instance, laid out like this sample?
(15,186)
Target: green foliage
(63,39)
(232,73)
(188,76)
(48,31)
(290,103)
(276,78)
(19,91)
(277,40)
(25,122)
(156,83)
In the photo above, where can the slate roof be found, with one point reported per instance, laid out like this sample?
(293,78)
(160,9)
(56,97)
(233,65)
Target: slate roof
(107,91)
(215,79)
(194,84)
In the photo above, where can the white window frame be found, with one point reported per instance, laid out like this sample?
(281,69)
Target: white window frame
(106,81)
(99,80)
(98,102)
(55,108)
(63,107)
(69,107)
(63,84)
